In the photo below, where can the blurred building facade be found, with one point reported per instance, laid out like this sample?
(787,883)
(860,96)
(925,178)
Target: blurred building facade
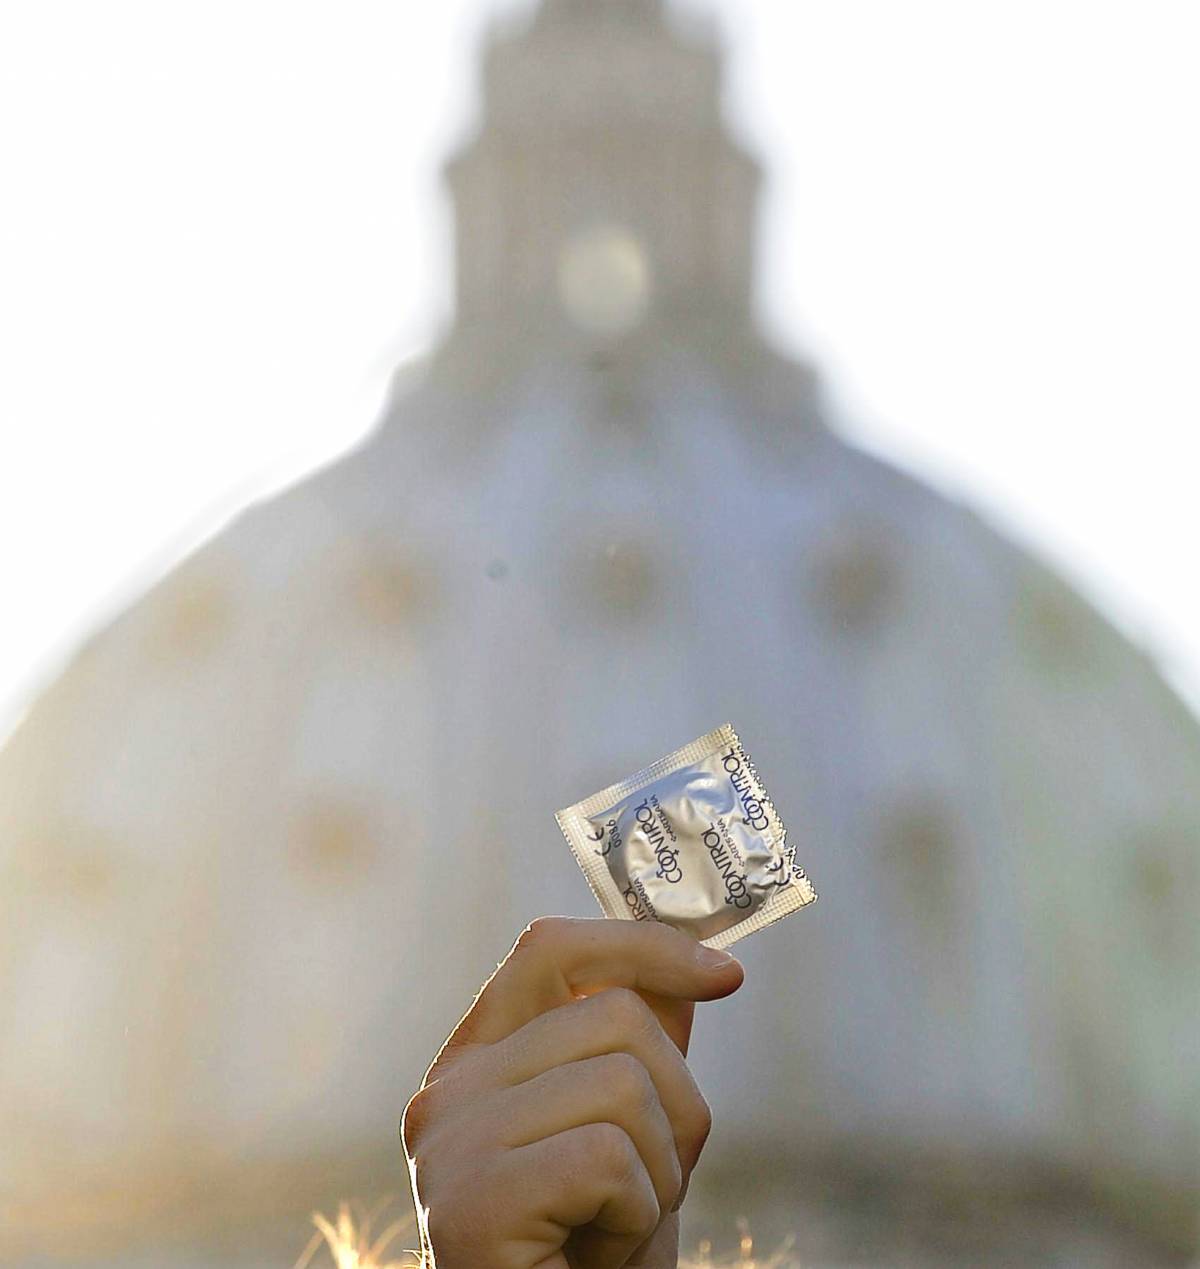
(276,822)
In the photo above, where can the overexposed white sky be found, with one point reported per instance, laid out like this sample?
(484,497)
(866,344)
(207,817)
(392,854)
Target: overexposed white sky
(223,226)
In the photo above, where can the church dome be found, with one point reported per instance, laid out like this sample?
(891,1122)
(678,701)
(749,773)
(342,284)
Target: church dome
(278,820)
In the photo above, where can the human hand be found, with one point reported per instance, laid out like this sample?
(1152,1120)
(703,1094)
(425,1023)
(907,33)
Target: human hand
(559,1124)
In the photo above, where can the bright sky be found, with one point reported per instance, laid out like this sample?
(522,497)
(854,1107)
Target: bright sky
(222,226)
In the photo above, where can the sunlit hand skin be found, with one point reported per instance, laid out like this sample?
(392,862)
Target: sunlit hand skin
(559,1124)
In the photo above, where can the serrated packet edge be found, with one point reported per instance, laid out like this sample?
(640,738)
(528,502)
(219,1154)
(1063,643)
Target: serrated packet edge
(572,820)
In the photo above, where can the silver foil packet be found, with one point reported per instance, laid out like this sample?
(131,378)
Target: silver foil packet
(693,841)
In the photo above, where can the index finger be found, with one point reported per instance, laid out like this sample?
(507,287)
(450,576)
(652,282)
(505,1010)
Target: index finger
(559,959)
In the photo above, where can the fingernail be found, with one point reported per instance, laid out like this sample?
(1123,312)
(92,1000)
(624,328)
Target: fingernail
(712,957)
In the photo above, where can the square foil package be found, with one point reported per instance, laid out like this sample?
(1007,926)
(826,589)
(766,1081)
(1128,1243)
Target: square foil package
(694,841)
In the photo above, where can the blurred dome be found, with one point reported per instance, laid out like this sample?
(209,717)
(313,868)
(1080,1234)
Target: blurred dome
(276,822)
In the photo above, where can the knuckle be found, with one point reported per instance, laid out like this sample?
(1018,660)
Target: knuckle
(629,1079)
(702,1122)
(418,1115)
(698,1127)
(546,932)
(676,1185)
(627,1012)
(615,1152)
(646,1221)
(541,931)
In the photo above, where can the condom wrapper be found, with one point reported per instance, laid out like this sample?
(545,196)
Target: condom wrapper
(693,841)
